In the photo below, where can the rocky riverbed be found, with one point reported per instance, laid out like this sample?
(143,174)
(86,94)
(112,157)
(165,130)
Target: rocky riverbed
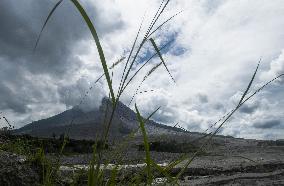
(225,161)
(228,162)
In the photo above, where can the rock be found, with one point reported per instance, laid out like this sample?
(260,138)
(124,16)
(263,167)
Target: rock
(13,171)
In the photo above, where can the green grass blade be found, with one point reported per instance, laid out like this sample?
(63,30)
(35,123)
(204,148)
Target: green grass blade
(153,20)
(152,114)
(185,156)
(145,77)
(227,118)
(161,25)
(91,171)
(135,74)
(146,145)
(98,44)
(6,120)
(156,17)
(262,87)
(117,62)
(45,23)
(250,83)
(246,158)
(118,154)
(175,162)
(160,55)
(128,59)
(175,124)
(135,93)
(65,141)
(162,170)
(112,180)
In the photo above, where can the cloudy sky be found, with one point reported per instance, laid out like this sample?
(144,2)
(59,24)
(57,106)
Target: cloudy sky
(214,50)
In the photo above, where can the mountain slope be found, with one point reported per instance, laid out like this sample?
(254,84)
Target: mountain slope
(89,125)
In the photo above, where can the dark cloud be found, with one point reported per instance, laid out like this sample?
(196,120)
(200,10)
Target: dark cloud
(27,78)
(202,98)
(267,124)
(248,109)
(19,89)
(20,28)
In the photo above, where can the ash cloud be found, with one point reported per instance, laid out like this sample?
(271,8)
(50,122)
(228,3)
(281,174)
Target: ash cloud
(80,94)
(267,124)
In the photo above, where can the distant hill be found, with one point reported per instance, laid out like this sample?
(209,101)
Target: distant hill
(88,125)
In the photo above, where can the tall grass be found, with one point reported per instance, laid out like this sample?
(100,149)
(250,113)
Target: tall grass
(96,175)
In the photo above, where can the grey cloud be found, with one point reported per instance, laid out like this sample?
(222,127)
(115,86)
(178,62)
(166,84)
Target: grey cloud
(20,28)
(193,126)
(248,109)
(72,95)
(203,98)
(18,90)
(27,78)
(267,124)
(212,6)
(166,116)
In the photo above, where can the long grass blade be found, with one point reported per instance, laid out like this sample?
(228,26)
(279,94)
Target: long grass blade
(227,118)
(162,170)
(145,77)
(156,17)
(175,124)
(118,154)
(129,56)
(91,171)
(146,145)
(116,63)
(153,20)
(161,25)
(112,180)
(6,120)
(98,44)
(250,83)
(160,55)
(148,74)
(45,23)
(144,64)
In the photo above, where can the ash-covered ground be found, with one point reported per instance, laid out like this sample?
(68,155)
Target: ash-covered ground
(223,161)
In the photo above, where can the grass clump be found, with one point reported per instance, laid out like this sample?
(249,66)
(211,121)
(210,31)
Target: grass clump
(170,146)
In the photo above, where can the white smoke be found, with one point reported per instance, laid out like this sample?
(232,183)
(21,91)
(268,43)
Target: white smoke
(87,96)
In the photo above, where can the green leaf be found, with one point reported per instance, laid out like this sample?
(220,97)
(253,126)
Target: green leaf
(48,17)
(98,44)
(250,83)
(160,55)
(112,180)
(146,145)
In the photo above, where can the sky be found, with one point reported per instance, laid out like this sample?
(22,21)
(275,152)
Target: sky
(214,50)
